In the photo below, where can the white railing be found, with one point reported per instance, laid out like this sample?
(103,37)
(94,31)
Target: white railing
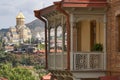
(88,61)
(57,61)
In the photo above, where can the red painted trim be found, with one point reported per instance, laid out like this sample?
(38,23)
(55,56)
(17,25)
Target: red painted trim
(85,0)
(58,4)
(84,5)
(47,10)
(37,14)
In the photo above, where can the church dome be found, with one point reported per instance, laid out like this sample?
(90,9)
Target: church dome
(20,15)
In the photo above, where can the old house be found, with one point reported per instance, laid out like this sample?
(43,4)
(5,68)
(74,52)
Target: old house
(90,38)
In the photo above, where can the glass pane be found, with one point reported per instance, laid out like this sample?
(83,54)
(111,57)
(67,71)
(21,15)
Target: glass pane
(52,40)
(65,42)
(59,39)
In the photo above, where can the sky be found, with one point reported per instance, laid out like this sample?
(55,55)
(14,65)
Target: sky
(9,9)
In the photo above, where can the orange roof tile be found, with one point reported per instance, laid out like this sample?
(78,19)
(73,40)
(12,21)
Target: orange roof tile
(3,79)
(47,77)
(53,50)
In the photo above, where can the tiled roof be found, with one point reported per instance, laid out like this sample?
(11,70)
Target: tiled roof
(47,77)
(3,78)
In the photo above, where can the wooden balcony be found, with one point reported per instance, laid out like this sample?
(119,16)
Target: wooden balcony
(88,61)
(57,61)
(81,61)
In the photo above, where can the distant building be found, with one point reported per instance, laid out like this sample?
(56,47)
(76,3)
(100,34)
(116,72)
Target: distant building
(20,33)
(9,48)
(38,37)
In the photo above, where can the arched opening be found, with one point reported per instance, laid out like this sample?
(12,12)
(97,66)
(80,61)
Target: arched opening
(52,40)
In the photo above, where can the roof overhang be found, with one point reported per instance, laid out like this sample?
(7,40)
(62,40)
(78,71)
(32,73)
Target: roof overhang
(84,3)
(69,4)
(47,10)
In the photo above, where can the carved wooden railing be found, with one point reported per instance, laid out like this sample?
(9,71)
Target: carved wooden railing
(81,61)
(88,61)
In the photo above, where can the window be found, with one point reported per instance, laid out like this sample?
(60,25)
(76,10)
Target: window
(59,39)
(52,40)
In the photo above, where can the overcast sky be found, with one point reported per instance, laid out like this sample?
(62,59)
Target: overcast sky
(10,8)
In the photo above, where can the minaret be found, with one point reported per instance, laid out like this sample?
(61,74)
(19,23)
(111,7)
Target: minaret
(20,19)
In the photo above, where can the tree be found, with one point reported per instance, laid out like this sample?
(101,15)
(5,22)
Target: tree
(17,73)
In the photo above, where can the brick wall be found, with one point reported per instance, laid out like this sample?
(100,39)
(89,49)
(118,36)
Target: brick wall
(113,55)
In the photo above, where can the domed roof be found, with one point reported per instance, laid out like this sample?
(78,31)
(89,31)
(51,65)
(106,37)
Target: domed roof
(20,15)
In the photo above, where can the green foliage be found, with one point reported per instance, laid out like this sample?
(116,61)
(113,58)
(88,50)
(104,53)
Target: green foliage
(1,45)
(40,70)
(41,46)
(32,40)
(37,67)
(12,71)
(17,73)
(97,47)
(16,46)
(21,59)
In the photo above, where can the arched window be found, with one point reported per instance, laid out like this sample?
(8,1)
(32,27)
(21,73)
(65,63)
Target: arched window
(59,39)
(52,40)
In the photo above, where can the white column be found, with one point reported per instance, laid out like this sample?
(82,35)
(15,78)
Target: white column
(105,43)
(71,52)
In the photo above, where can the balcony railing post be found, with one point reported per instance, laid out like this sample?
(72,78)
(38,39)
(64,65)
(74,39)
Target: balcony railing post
(88,61)
(74,57)
(71,52)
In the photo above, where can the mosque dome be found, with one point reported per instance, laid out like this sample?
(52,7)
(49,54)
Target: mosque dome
(20,15)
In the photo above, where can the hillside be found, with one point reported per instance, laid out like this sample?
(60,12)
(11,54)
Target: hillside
(3,32)
(36,25)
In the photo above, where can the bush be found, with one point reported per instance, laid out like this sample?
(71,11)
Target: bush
(98,47)
(10,66)
(22,59)
(17,73)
